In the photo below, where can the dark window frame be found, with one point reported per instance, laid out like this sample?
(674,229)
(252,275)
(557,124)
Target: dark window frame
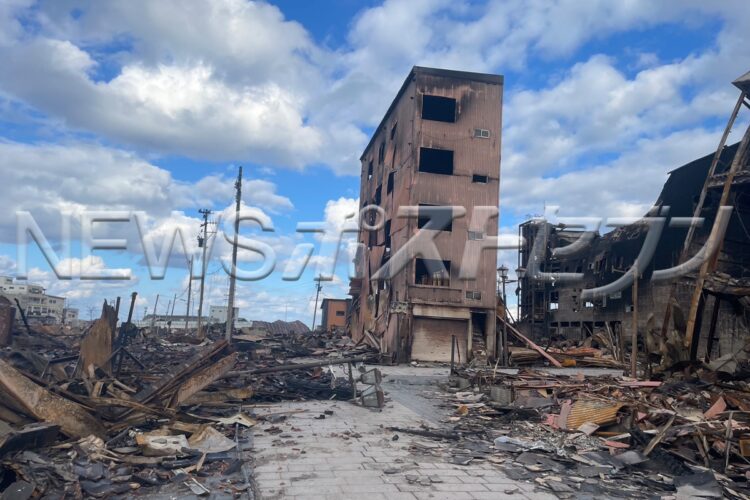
(433,212)
(436,161)
(438,108)
(429,272)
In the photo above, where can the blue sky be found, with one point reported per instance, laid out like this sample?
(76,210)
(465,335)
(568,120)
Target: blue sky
(151,106)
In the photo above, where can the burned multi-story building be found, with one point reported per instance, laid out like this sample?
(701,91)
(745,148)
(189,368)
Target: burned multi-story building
(436,150)
(563,264)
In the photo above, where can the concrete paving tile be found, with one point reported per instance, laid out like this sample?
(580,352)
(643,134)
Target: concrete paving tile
(358,474)
(494,495)
(339,467)
(442,495)
(353,468)
(459,487)
(318,481)
(327,490)
(505,485)
(356,479)
(412,487)
(298,467)
(369,496)
(471,479)
(372,488)
(448,472)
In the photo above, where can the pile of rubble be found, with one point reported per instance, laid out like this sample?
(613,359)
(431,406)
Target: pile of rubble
(120,409)
(604,434)
(599,350)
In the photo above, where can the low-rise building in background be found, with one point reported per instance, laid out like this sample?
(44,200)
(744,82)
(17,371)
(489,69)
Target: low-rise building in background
(38,306)
(335,314)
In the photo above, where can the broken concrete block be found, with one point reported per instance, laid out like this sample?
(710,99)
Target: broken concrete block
(157,444)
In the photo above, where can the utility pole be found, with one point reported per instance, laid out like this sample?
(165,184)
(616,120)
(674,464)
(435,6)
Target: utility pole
(153,318)
(166,314)
(190,293)
(171,313)
(232,275)
(318,288)
(634,335)
(203,242)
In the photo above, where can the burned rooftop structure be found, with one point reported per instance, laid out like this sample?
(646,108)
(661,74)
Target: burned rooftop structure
(436,148)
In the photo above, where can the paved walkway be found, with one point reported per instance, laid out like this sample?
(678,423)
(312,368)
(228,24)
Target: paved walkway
(350,454)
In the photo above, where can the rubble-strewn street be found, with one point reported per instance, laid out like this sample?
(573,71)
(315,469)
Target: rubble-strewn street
(150,412)
(351,453)
(271,416)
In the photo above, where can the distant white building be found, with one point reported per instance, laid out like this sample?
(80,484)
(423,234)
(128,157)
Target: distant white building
(70,316)
(218,314)
(37,305)
(176,322)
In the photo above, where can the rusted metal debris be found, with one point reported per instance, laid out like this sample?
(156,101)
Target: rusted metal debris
(593,411)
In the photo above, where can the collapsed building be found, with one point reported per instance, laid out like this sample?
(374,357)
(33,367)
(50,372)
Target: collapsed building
(437,147)
(556,300)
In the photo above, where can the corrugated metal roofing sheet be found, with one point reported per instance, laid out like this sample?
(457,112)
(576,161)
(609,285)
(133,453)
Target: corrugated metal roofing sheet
(594,411)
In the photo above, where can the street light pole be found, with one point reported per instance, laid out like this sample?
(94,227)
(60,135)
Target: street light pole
(503,272)
(520,275)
